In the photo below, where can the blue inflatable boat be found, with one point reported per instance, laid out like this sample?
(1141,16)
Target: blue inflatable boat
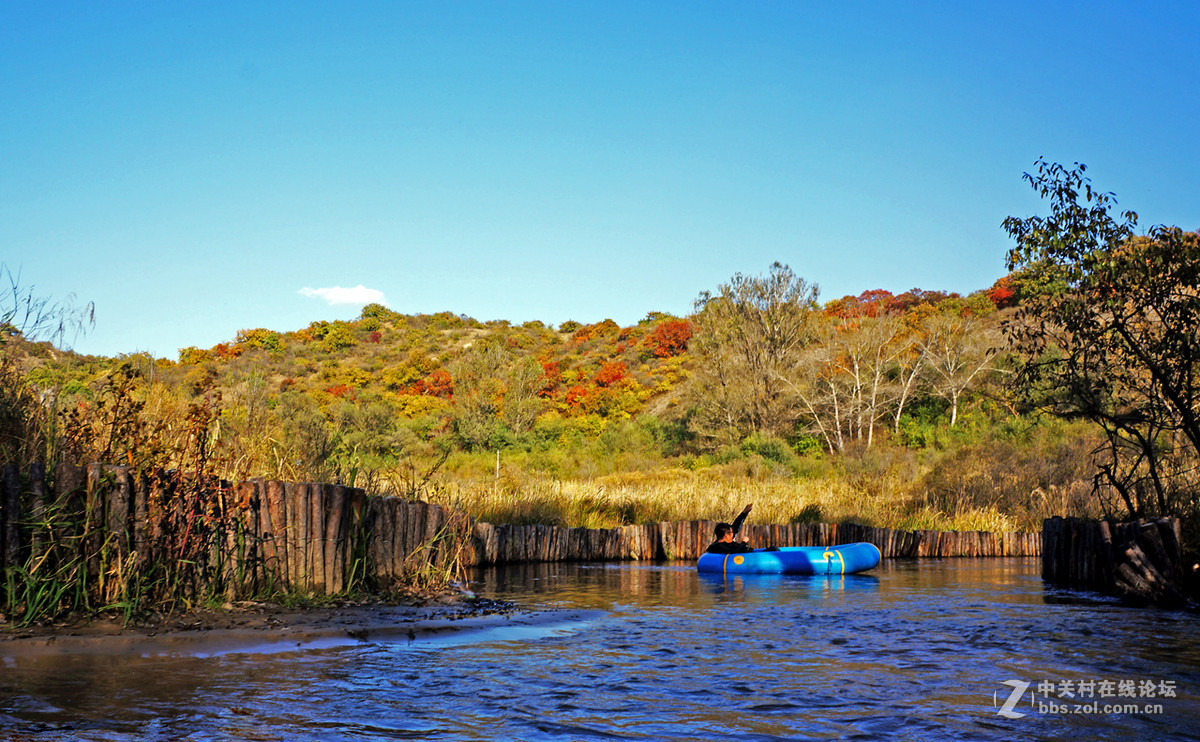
(795,560)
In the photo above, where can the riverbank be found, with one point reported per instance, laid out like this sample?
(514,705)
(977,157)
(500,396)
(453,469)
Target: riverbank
(260,627)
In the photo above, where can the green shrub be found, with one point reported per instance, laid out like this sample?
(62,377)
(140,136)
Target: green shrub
(259,338)
(808,445)
(337,336)
(768,447)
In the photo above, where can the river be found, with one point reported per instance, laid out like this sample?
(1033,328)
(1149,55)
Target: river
(922,650)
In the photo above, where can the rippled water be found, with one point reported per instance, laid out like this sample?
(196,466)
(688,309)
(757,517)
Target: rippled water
(914,650)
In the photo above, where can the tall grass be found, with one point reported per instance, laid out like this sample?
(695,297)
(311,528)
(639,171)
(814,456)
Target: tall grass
(712,494)
(1006,482)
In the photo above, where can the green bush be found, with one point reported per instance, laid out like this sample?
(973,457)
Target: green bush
(337,336)
(769,447)
(259,338)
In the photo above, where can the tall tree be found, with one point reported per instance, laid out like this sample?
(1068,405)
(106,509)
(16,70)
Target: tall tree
(1112,335)
(478,392)
(748,336)
(493,388)
(522,405)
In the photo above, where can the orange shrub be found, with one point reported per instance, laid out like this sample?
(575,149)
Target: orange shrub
(669,339)
(576,395)
(439,384)
(225,351)
(611,373)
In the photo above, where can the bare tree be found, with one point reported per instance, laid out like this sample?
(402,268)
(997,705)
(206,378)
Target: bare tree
(846,380)
(957,350)
(910,368)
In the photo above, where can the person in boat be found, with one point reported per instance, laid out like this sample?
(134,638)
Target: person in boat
(727,533)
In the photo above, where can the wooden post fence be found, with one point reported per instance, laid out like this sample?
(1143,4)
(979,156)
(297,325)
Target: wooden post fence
(1141,560)
(269,536)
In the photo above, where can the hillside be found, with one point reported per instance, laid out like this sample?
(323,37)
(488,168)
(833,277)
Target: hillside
(857,412)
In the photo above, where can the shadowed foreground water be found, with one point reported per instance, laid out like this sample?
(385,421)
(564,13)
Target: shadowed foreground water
(913,650)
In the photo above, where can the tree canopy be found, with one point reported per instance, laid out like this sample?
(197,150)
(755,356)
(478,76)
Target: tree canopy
(1111,335)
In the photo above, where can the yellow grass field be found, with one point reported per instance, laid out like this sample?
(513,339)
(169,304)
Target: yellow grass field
(716,493)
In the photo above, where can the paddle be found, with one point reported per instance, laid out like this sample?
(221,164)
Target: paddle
(740,521)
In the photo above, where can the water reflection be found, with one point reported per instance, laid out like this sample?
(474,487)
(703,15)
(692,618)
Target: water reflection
(655,652)
(772,587)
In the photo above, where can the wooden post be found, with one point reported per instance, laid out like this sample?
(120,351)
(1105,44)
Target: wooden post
(433,525)
(403,512)
(390,559)
(241,537)
(1049,541)
(355,544)
(415,527)
(274,528)
(69,483)
(93,530)
(1151,542)
(502,539)
(296,498)
(258,503)
(335,538)
(372,506)
(383,523)
(1169,530)
(118,510)
(37,498)
(141,519)
(10,503)
(316,530)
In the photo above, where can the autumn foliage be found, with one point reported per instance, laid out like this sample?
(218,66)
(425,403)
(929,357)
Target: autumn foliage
(880,302)
(551,378)
(1002,294)
(610,374)
(669,338)
(600,329)
(225,351)
(437,384)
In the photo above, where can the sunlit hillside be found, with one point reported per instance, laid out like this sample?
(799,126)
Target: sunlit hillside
(881,408)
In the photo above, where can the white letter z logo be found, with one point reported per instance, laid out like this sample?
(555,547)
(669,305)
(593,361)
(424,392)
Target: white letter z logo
(1006,710)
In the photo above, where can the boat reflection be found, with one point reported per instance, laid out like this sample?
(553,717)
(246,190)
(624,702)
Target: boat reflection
(770,586)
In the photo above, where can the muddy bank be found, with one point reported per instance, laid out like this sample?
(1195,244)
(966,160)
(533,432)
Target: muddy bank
(265,627)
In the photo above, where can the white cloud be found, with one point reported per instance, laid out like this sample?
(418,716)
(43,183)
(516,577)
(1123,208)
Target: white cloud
(337,295)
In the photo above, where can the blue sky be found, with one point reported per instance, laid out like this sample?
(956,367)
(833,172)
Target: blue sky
(193,169)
